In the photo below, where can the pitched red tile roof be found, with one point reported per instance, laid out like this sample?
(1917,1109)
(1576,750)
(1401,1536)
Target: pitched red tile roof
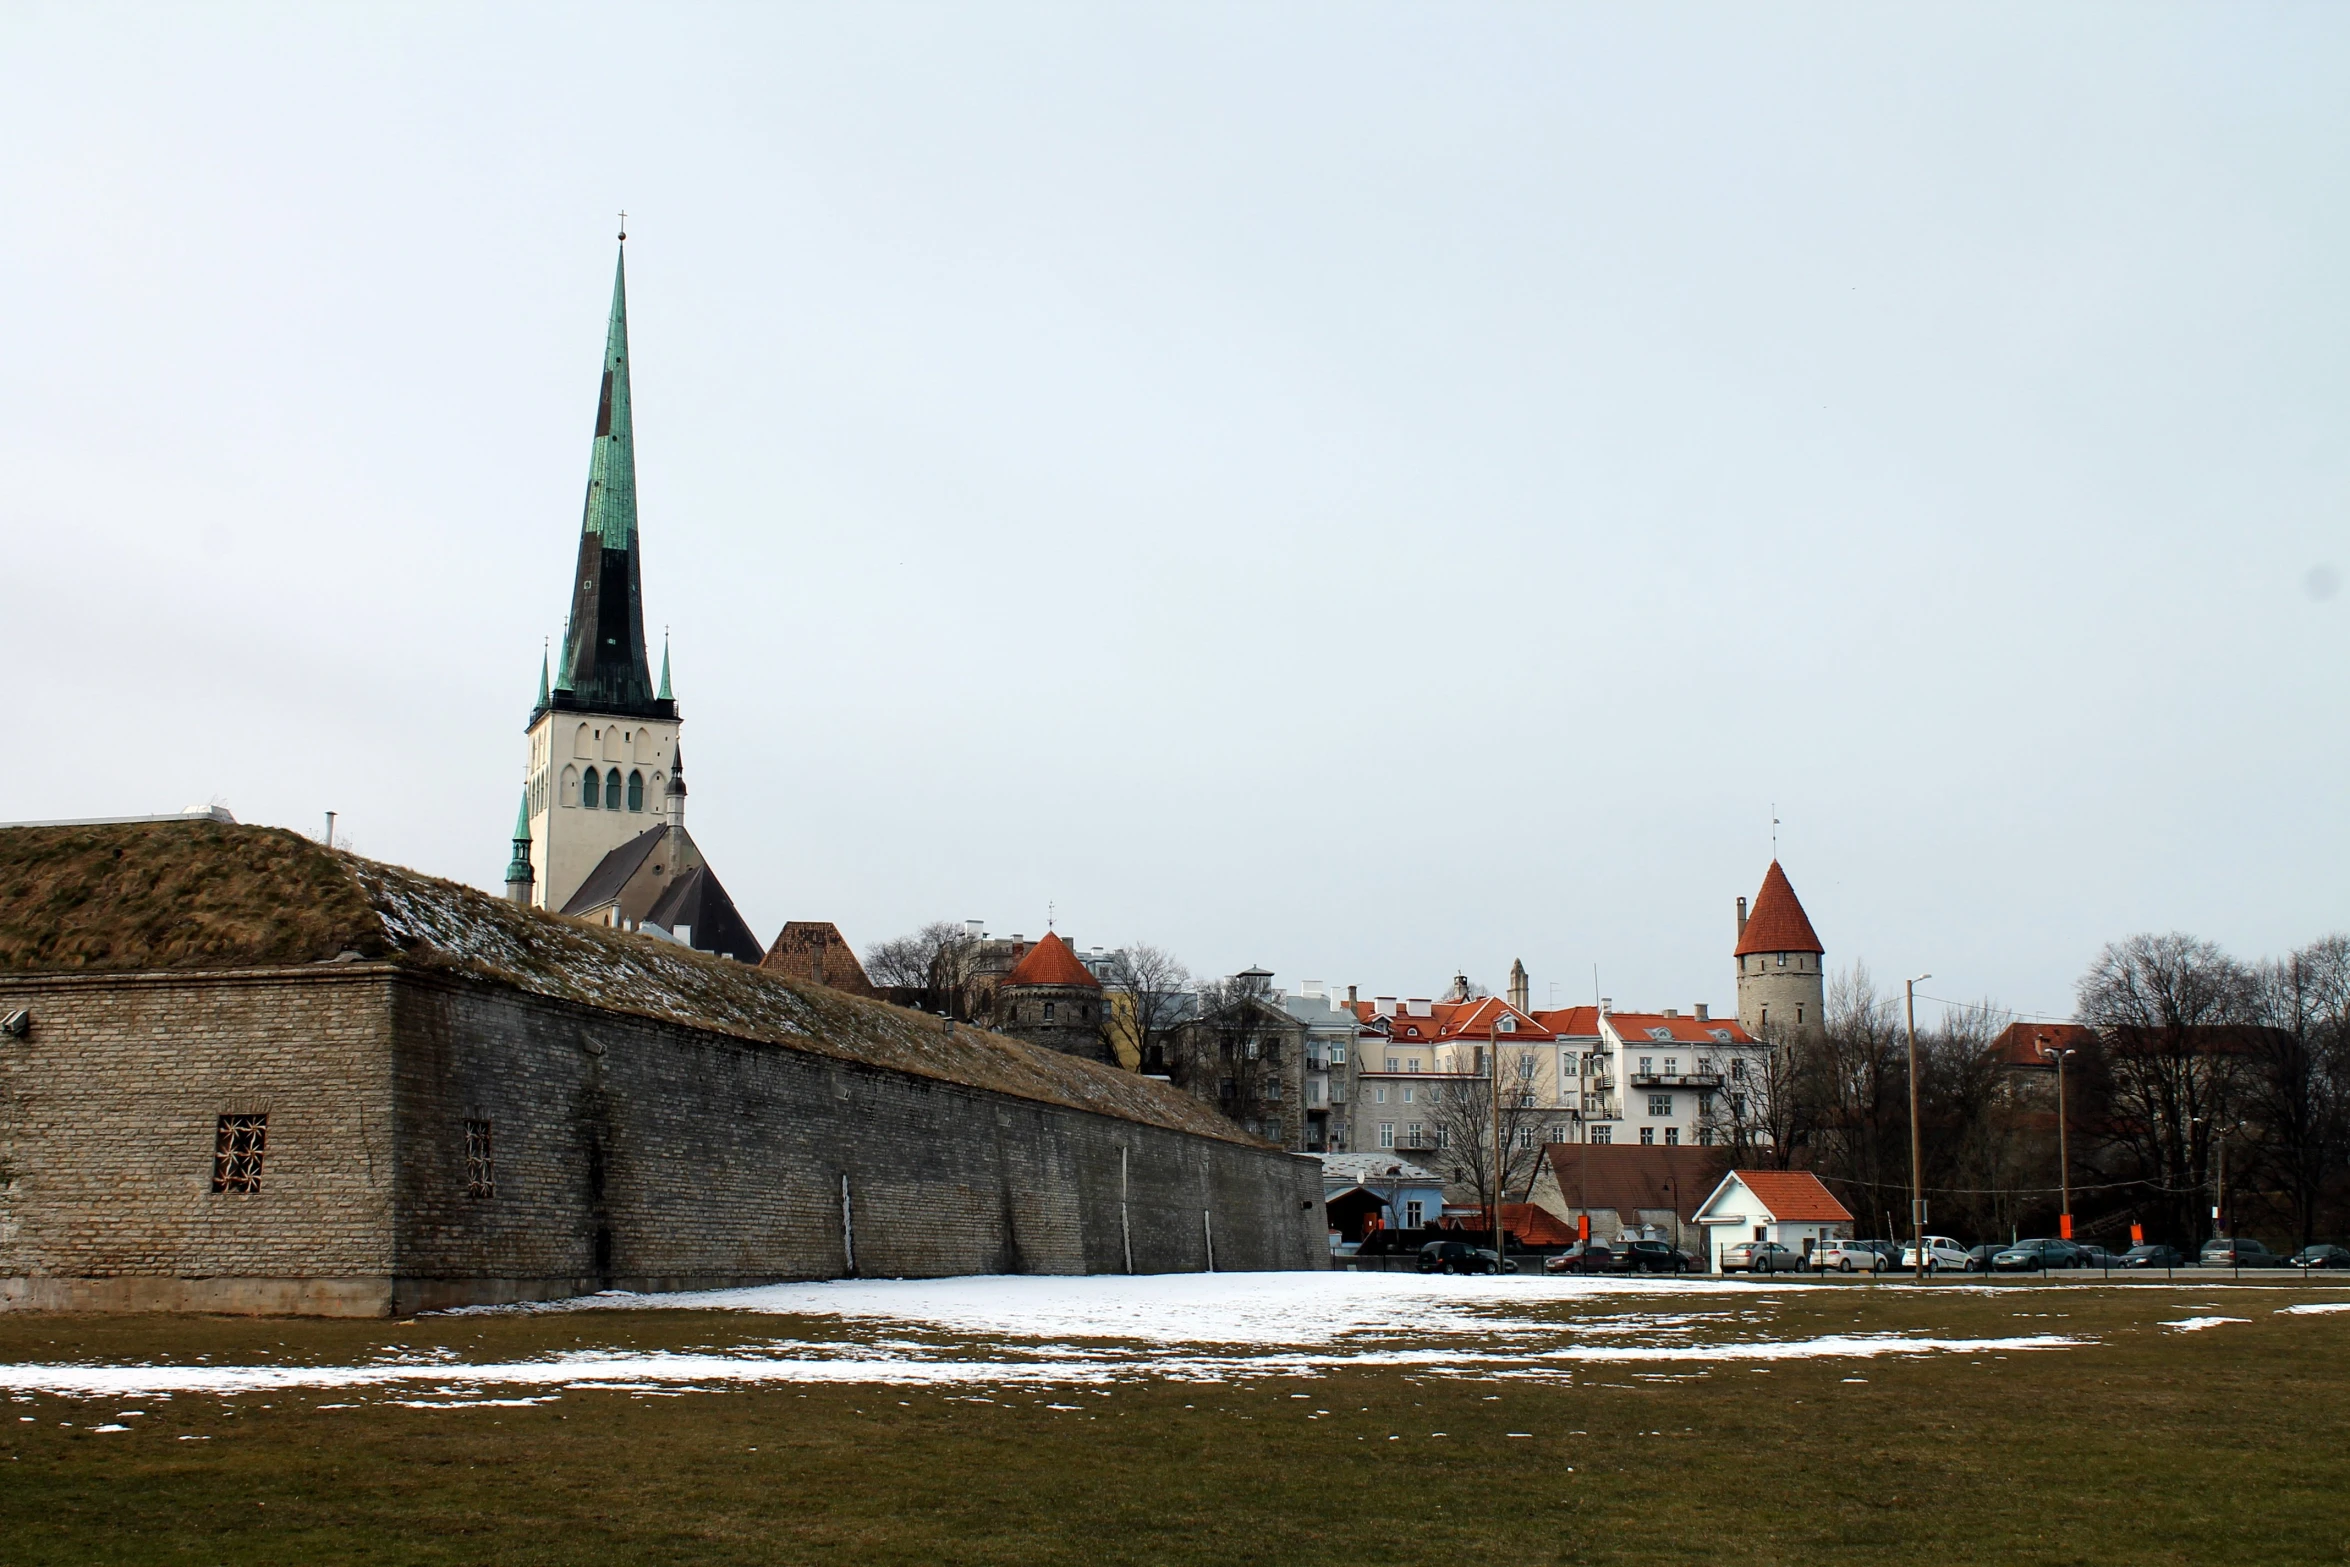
(1579,1021)
(1635,1027)
(1629,1178)
(1778,923)
(1794,1196)
(1050,962)
(2019,1044)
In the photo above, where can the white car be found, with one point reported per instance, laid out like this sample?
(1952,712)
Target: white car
(1941,1252)
(1846,1256)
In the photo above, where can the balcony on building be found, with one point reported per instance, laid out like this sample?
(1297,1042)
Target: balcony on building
(1676,1079)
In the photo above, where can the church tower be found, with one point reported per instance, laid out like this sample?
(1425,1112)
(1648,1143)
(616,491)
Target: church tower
(1781,983)
(602,740)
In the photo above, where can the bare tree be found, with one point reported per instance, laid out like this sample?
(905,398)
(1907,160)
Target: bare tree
(2297,1091)
(1855,1084)
(1147,992)
(1242,1052)
(1761,1115)
(1461,1110)
(929,968)
(1983,1160)
(2165,1009)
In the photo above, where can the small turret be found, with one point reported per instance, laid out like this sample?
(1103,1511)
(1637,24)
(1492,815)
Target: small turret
(1521,987)
(676,791)
(518,873)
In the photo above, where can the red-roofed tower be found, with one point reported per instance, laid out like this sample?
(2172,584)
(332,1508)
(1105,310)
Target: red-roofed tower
(1782,983)
(1052,999)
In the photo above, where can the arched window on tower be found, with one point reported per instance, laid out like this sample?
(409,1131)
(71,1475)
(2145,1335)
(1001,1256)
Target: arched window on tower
(579,743)
(570,785)
(612,790)
(636,791)
(591,791)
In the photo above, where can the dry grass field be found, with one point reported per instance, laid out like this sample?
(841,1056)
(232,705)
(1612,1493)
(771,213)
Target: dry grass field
(1747,1435)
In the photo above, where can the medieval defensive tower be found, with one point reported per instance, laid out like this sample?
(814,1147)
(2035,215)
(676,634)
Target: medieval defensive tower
(1782,988)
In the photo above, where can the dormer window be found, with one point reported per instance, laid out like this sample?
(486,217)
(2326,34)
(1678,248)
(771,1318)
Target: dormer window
(1660,1033)
(1721,1034)
(1507,1025)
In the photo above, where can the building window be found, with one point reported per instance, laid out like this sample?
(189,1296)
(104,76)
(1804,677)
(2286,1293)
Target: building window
(1556,1134)
(238,1142)
(1338,1055)
(1765,1019)
(1799,1014)
(1737,1106)
(1413,1133)
(570,786)
(1387,1134)
(1506,1024)
(1672,1137)
(1647,1066)
(612,790)
(1782,960)
(591,790)
(1393,1064)
(1660,1105)
(1412,1064)
(481,1165)
(1647,1136)
(1672,1066)
(636,791)
(1705,1137)
(1525,1137)
(1603,1135)
(1250,1050)
(1379,1093)
(1738,1069)
(1443,1135)
(1409,1093)
(1415,1214)
(1048,1016)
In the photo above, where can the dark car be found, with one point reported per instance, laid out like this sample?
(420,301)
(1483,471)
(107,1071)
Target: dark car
(1978,1258)
(2096,1256)
(1461,1257)
(2036,1256)
(1586,1257)
(2239,1251)
(2321,1257)
(1653,1257)
(2152,1256)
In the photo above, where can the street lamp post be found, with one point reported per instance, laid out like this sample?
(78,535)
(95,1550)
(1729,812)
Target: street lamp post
(1917,1155)
(2064,1158)
(1493,1069)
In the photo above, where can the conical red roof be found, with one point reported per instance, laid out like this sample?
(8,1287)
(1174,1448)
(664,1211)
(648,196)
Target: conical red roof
(1050,962)
(1778,923)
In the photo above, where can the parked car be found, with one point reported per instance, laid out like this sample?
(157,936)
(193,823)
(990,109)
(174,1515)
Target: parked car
(1585,1257)
(1978,1258)
(1941,1252)
(2152,1256)
(2321,1257)
(1736,1255)
(1771,1257)
(1848,1257)
(2095,1256)
(1653,1257)
(1461,1257)
(2239,1251)
(2036,1256)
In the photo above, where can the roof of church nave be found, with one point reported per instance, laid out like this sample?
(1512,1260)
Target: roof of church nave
(185,896)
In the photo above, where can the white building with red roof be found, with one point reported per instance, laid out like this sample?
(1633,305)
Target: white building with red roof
(1790,1207)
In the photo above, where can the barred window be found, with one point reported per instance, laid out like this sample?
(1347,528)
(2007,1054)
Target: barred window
(238,1143)
(481,1162)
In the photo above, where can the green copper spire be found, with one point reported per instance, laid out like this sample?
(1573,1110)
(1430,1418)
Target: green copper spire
(665,695)
(603,664)
(543,698)
(518,868)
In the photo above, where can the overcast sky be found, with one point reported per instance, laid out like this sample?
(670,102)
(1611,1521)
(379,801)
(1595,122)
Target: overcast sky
(1367,490)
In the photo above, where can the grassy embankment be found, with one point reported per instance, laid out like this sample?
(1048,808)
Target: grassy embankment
(2156,1446)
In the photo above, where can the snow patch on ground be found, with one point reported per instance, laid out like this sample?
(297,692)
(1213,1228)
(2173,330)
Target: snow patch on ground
(2198,1324)
(2310,1310)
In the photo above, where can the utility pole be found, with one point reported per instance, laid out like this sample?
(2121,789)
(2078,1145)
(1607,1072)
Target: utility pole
(1917,1146)
(2064,1158)
(1493,1069)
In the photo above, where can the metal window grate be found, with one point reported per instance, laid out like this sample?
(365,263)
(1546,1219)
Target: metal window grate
(238,1142)
(481,1165)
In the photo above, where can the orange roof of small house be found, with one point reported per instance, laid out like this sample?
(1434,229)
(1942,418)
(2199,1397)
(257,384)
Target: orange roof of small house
(1778,923)
(1641,1028)
(1793,1196)
(1573,1022)
(1051,962)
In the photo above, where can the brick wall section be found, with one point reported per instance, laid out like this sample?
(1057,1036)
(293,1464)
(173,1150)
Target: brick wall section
(630,1153)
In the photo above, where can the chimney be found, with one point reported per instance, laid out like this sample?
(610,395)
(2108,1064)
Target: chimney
(1606,1006)
(1741,919)
(1672,1011)
(1383,1007)
(1350,995)
(1699,1012)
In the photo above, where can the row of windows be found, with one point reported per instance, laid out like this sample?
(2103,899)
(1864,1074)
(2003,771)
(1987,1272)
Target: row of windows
(605,791)
(1605,1135)
(240,1148)
(616,744)
(1759,965)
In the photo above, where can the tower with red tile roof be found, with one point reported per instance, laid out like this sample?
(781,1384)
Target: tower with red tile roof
(1052,999)
(1782,983)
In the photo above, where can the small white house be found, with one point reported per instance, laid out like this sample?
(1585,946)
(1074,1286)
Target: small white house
(1787,1206)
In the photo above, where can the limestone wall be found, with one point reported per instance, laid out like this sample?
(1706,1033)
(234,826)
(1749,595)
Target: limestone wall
(627,1152)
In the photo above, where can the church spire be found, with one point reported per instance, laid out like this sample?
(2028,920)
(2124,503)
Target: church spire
(665,694)
(518,872)
(544,698)
(603,664)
